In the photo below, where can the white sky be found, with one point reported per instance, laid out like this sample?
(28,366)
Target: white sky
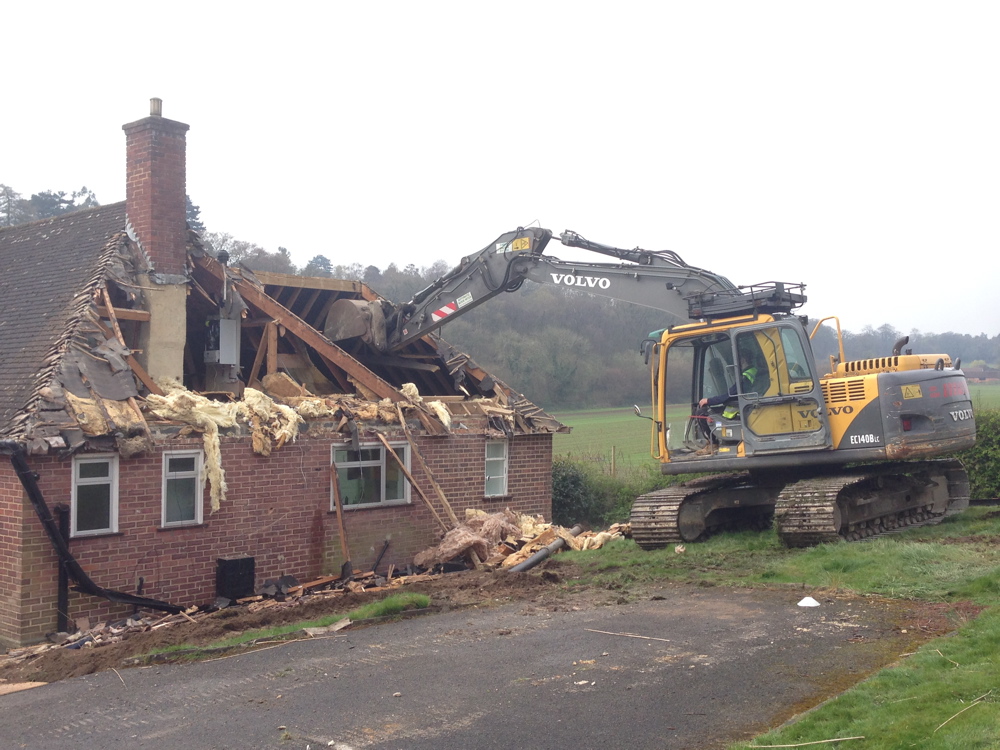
(853,146)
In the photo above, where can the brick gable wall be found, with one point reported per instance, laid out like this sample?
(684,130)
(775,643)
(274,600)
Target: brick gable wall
(278,510)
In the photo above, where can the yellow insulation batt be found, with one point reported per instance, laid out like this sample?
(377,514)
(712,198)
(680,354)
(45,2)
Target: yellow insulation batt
(441,412)
(207,417)
(267,420)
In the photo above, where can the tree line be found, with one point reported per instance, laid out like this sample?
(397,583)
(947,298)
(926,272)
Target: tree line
(16,209)
(562,348)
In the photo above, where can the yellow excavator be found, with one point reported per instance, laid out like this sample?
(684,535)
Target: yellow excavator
(855,452)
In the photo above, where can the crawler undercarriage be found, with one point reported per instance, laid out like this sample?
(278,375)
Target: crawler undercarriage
(847,503)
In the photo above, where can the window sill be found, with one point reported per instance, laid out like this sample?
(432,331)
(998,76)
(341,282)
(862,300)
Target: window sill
(373,506)
(497,498)
(96,535)
(186,525)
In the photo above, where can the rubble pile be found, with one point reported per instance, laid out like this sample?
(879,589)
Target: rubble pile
(505,539)
(283,593)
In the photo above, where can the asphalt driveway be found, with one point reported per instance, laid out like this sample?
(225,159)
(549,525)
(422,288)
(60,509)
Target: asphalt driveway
(710,666)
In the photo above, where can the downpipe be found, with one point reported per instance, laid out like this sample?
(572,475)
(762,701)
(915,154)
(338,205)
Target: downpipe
(84,584)
(544,552)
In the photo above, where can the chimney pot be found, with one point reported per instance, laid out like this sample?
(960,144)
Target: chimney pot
(156,107)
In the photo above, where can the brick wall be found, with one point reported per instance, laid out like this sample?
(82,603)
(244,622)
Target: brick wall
(11,533)
(278,510)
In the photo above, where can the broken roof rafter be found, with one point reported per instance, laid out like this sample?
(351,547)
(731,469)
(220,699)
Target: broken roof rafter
(330,352)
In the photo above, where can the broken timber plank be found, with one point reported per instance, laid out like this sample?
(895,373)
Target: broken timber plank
(138,369)
(319,582)
(476,561)
(413,484)
(425,467)
(111,314)
(123,313)
(258,360)
(338,505)
(271,332)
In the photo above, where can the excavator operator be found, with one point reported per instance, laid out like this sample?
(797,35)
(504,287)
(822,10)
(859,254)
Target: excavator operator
(748,376)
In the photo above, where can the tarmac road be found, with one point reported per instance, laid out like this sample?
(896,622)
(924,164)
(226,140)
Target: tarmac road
(715,666)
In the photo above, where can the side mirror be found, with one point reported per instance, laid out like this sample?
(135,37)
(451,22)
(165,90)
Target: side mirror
(638,413)
(646,348)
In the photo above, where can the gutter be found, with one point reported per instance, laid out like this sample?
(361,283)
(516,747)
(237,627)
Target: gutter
(84,584)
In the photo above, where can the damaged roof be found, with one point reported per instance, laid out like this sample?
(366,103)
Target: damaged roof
(67,376)
(48,272)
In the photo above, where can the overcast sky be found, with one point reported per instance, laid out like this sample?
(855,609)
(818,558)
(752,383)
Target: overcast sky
(853,146)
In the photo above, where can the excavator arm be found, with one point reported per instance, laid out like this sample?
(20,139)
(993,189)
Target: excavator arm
(657,279)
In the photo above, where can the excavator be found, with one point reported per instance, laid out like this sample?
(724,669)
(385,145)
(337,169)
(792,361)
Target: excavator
(855,452)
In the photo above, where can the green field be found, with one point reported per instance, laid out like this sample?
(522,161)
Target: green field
(597,431)
(985,395)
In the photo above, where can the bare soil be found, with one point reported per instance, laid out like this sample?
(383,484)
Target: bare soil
(535,591)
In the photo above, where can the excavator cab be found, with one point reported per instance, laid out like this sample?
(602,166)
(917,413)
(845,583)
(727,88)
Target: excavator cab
(763,391)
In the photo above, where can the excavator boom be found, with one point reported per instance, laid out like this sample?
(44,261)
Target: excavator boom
(657,279)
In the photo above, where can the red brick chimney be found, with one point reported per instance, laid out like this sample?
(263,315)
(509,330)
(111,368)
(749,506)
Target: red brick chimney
(155,204)
(155,197)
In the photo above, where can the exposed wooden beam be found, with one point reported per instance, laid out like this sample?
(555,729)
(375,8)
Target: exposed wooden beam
(269,278)
(308,306)
(122,313)
(259,359)
(139,370)
(114,318)
(271,334)
(292,297)
(326,348)
(402,362)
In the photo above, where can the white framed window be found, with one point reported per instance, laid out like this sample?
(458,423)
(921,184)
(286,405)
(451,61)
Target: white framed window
(496,468)
(183,488)
(371,476)
(95,495)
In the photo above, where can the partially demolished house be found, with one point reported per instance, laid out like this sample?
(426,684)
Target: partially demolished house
(177,428)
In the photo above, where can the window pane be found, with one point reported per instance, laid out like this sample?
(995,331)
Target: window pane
(496,468)
(359,485)
(94,469)
(345,456)
(371,454)
(175,465)
(93,506)
(180,500)
(395,482)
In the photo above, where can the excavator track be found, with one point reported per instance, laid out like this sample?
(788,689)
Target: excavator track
(694,510)
(870,501)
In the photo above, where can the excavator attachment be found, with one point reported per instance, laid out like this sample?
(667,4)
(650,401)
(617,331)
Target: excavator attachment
(349,318)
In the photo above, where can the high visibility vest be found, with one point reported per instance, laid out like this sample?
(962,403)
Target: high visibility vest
(731,412)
